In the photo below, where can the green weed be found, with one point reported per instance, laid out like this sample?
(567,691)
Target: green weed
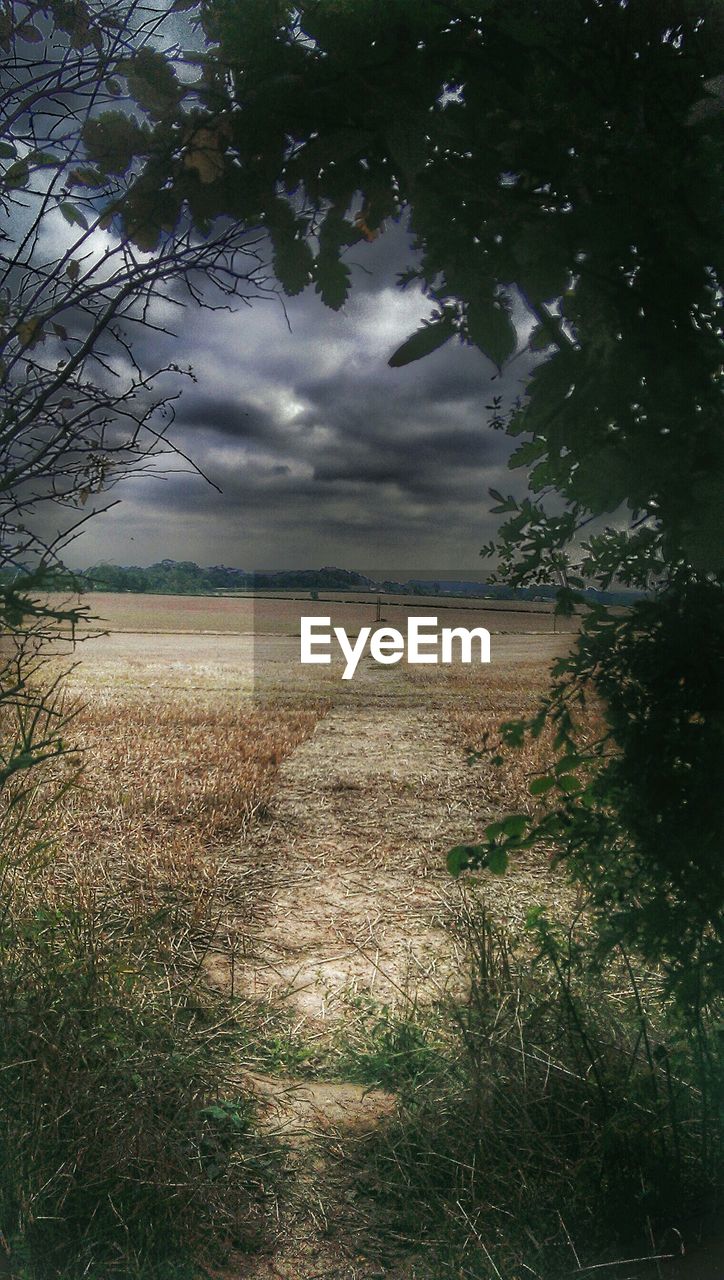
(564,1118)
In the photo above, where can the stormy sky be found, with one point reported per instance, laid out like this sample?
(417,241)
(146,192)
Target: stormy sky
(322,453)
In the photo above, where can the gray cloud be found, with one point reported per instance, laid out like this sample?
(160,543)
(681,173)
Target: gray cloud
(323,454)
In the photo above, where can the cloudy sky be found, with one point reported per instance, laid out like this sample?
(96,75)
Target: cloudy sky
(322,453)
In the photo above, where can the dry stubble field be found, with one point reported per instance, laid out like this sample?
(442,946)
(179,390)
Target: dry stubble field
(291,833)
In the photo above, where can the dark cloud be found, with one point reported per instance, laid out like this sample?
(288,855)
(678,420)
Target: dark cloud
(322,453)
(226,417)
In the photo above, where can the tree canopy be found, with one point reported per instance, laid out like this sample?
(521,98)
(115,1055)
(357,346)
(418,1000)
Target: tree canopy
(563,160)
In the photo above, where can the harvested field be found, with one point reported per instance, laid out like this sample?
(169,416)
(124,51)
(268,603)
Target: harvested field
(189,737)
(279,615)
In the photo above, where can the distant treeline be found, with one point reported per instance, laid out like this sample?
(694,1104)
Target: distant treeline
(184,577)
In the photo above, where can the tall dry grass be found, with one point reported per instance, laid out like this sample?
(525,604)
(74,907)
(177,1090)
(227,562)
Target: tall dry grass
(169,787)
(129,1147)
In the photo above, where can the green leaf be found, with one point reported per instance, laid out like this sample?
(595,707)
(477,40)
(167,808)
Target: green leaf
(408,143)
(539,786)
(536,918)
(339,144)
(497,861)
(215,1113)
(73,215)
(152,82)
(17,175)
(86,177)
(509,504)
(490,328)
(540,339)
(30,331)
(567,763)
(541,261)
(332,282)
(515,825)
(513,732)
(293,264)
(113,140)
(526,453)
(541,476)
(7,151)
(566,601)
(569,783)
(29,33)
(538,723)
(423,342)
(43,160)
(603,479)
(463,856)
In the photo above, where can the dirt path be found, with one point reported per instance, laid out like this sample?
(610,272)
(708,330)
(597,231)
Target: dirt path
(355,897)
(361,820)
(353,862)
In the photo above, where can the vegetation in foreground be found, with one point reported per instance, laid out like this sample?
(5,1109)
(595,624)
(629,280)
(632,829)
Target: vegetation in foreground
(557,1117)
(129,1147)
(126,1149)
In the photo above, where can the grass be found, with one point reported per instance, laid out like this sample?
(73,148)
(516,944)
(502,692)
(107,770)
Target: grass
(129,1147)
(556,1125)
(122,1151)
(170,788)
(383,1047)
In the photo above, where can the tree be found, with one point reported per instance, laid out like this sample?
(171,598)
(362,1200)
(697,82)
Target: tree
(78,411)
(564,161)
